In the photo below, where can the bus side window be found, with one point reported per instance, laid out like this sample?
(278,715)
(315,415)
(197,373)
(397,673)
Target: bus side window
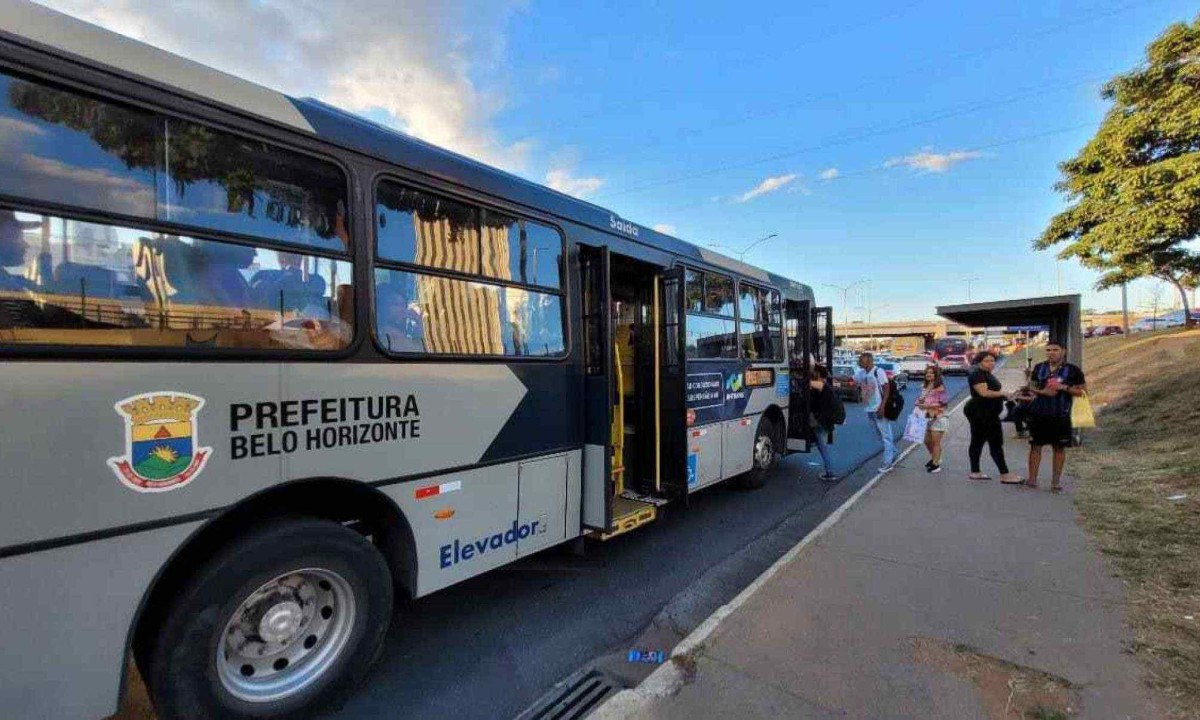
(70,282)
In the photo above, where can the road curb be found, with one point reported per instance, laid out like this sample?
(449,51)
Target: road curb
(670,676)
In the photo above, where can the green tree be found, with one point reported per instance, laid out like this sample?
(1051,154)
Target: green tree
(1134,188)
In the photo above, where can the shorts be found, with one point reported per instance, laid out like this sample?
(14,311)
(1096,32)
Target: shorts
(941,424)
(1050,430)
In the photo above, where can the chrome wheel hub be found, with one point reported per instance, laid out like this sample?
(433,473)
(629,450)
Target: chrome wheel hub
(281,622)
(285,635)
(764,452)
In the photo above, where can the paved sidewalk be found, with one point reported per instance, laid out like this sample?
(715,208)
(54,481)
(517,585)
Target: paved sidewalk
(920,602)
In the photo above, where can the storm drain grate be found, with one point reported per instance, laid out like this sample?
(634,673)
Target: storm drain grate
(574,698)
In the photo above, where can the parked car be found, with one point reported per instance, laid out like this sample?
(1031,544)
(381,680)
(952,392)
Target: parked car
(894,372)
(955,365)
(1149,323)
(1089,331)
(915,365)
(845,385)
(1106,330)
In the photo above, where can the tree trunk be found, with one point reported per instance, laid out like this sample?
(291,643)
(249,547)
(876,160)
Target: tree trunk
(1187,312)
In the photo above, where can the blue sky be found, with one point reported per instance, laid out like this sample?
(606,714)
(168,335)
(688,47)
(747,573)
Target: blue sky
(913,144)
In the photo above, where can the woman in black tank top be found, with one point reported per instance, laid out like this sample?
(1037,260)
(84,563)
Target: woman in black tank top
(983,413)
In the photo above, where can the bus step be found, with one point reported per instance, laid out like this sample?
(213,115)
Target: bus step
(652,499)
(629,514)
(573,698)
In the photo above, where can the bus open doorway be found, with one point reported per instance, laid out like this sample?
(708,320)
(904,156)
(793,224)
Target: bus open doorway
(636,401)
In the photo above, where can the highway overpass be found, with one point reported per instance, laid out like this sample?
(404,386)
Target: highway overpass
(930,329)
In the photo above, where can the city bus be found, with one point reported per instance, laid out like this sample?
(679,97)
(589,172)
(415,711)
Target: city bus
(303,364)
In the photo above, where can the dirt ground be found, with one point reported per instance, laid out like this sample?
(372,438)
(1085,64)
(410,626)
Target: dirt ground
(1139,497)
(1008,691)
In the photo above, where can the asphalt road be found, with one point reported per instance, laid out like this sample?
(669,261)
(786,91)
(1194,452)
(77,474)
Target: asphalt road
(491,646)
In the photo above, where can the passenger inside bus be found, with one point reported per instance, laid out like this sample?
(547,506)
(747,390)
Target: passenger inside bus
(289,287)
(12,252)
(397,321)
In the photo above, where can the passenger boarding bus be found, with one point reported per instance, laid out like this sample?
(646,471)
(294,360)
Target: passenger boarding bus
(267,365)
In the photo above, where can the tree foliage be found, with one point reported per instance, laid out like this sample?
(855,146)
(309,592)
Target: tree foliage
(1134,188)
(297,191)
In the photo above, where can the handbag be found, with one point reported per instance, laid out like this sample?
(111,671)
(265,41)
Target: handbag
(1082,415)
(914,429)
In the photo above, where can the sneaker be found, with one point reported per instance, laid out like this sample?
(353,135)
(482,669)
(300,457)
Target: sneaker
(934,469)
(929,465)
(828,477)
(886,468)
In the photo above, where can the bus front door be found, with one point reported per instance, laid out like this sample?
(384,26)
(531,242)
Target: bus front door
(810,338)
(674,471)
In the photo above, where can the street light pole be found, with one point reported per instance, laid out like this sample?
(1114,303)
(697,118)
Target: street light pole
(845,291)
(741,254)
(970,280)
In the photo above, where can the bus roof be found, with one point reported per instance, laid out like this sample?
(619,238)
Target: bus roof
(27,21)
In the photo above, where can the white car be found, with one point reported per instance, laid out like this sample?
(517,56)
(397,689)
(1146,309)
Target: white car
(894,372)
(915,365)
(1150,323)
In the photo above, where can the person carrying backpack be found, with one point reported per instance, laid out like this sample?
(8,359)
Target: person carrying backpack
(826,411)
(879,395)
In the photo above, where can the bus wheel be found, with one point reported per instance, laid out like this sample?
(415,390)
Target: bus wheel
(766,455)
(279,623)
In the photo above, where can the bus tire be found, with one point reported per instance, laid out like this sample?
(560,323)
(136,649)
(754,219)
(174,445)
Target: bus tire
(765,455)
(279,623)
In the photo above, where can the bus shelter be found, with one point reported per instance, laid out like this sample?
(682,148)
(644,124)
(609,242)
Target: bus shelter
(1059,314)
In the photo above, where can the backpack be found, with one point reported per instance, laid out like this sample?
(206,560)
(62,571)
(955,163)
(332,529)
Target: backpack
(895,401)
(831,411)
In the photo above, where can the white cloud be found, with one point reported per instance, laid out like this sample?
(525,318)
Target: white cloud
(120,193)
(665,228)
(931,162)
(417,66)
(10,126)
(769,185)
(830,173)
(563,179)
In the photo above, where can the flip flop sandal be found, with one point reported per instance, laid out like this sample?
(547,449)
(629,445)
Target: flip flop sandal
(979,477)
(1057,489)
(1014,481)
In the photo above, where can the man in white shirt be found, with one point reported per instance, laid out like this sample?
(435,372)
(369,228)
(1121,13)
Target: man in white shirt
(874,384)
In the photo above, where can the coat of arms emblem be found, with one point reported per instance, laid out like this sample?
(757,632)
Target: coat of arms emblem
(161,449)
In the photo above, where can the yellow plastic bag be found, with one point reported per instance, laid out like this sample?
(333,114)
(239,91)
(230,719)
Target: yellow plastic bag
(1081,412)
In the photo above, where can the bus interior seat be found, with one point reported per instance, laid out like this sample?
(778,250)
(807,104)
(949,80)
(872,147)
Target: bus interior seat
(344,295)
(217,276)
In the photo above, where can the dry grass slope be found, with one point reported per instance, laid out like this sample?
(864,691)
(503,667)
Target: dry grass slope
(1133,471)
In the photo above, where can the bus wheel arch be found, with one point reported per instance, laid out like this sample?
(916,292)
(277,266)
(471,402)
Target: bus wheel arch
(770,433)
(368,511)
(775,414)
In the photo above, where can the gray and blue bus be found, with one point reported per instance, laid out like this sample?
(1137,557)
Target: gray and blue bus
(268,366)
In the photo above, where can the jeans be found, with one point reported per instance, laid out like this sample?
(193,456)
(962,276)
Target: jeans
(883,426)
(822,434)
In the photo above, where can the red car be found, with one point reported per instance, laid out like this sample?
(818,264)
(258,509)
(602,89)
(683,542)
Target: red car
(1105,330)
(844,384)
